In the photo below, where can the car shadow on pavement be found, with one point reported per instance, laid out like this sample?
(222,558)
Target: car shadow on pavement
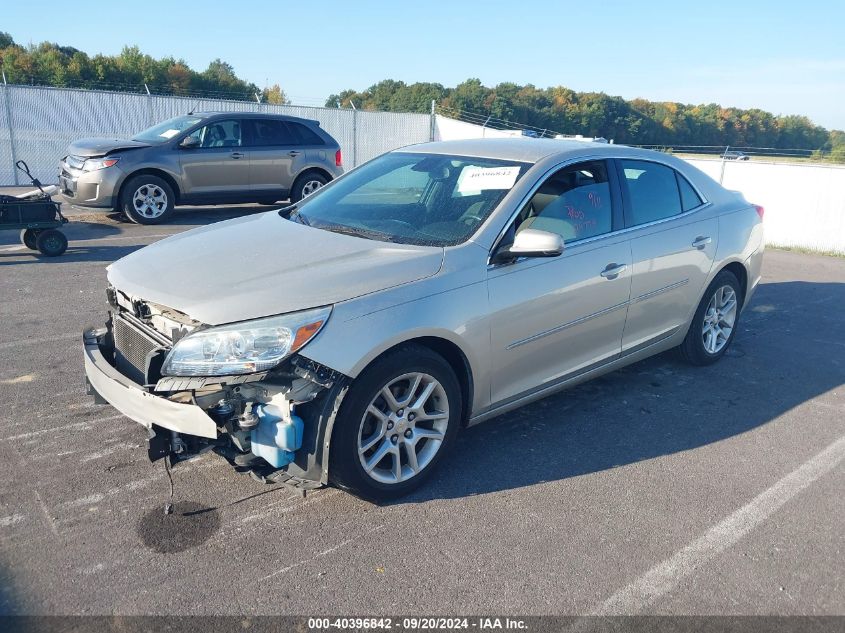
(195,216)
(73,254)
(788,351)
(75,231)
(182,216)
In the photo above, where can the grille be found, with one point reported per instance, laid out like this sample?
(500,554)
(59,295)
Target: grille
(131,347)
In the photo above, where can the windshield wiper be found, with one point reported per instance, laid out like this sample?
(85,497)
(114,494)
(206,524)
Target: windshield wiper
(293,214)
(357,232)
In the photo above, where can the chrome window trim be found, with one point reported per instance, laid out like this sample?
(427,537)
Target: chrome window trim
(587,240)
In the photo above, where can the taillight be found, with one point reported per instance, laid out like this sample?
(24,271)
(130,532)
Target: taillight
(338,159)
(760,210)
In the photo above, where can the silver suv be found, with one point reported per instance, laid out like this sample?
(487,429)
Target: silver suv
(201,158)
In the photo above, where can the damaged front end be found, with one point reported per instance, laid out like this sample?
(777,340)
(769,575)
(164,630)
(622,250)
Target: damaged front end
(241,389)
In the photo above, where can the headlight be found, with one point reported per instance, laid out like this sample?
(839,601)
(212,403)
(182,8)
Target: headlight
(93,164)
(243,348)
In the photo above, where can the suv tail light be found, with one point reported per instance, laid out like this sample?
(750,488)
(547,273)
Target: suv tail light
(338,159)
(760,210)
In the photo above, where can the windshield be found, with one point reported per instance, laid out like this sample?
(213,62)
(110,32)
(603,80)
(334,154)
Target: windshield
(167,130)
(425,199)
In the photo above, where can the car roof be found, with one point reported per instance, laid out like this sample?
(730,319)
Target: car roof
(529,150)
(254,115)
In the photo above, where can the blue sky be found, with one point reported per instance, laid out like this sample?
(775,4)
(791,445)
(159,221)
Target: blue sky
(785,57)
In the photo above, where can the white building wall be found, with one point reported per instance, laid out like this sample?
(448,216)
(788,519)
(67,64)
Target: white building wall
(805,203)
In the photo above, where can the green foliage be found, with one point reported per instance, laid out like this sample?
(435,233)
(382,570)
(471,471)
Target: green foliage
(275,95)
(638,121)
(53,65)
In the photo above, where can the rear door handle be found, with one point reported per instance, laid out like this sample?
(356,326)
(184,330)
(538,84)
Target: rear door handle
(701,241)
(612,271)
(293,153)
(237,155)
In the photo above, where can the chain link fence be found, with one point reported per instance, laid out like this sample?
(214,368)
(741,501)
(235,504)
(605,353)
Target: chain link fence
(37,124)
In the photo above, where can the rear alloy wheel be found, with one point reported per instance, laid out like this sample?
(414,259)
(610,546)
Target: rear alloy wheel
(51,242)
(147,200)
(715,322)
(397,421)
(29,237)
(305,185)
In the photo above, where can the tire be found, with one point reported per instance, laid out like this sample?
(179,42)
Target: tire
(359,435)
(147,199)
(306,184)
(711,333)
(29,238)
(51,242)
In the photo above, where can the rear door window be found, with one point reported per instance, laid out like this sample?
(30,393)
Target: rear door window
(266,132)
(653,192)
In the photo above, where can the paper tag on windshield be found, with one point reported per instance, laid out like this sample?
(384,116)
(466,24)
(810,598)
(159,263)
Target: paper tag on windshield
(477,179)
(169,133)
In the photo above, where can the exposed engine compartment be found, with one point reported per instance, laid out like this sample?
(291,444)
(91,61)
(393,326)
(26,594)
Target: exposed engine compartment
(270,424)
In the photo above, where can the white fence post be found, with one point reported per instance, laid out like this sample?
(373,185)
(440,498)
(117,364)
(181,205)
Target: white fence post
(354,137)
(150,121)
(11,129)
(432,126)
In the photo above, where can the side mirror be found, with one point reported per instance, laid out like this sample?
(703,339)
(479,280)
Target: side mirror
(530,243)
(189,142)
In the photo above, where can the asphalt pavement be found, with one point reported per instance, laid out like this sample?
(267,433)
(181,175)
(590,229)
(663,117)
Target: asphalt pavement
(657,489)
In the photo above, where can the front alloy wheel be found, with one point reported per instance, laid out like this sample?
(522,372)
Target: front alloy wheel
(398,419)
(149,201)
(403,428)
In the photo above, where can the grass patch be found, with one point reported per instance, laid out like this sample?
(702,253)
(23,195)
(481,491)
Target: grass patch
(803,250)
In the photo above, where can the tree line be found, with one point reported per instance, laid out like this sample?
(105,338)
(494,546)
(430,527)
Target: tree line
(559,109)
(635,121)
(50,64)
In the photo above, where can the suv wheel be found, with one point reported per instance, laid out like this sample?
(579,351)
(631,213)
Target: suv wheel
(147,199)
(397,421)
(305,185)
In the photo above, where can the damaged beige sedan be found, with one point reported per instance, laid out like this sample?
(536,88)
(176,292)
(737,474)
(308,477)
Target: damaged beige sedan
(347,339)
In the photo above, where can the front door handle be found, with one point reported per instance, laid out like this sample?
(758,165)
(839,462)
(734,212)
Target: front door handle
(237,155)
(612,271)
(294,153)
(701,241)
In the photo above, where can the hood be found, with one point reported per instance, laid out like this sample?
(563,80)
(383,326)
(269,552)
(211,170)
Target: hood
(101,146)
(263,265)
